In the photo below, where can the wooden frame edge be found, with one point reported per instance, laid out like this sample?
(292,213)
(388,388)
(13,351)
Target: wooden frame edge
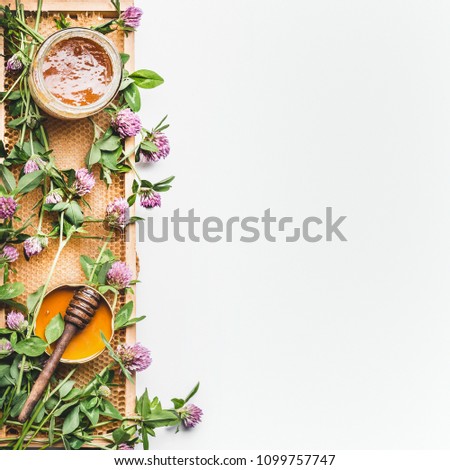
(72,6)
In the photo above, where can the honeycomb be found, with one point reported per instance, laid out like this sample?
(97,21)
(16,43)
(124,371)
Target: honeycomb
(70,141)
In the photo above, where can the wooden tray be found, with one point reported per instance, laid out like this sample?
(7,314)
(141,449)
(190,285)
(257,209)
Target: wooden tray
(70,142)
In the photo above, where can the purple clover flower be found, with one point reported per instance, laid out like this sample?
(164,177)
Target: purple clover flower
(127,123)
(30,166)
(10,254)
(84,181)
(135,358)
(119,275)
(5,347)
(132,17)
(191,415)
(118,213)
(34,245)
(14,64)
(8,207)
(149,199)
(162,142)
(16,321)
(53,197)
(125,446)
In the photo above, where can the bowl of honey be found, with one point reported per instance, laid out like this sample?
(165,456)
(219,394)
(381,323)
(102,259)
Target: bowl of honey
(76,73)
(85,345)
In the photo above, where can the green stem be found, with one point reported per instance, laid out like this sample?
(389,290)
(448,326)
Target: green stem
(54,442)
(62,244)
(116,297)
(27,30)
(38,15)
(41,425)
(28,425)
(133,167)
(11,88)
(33,427)
(99,257)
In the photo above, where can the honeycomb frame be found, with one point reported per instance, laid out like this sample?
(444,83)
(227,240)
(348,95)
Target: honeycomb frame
(70,142)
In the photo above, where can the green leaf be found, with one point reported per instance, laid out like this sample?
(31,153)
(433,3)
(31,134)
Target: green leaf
(162,418)
(146,79)
(15,305)
(120,436)
(18,403)
(126,82)
(72,421)
(110,160)
(10,291)
(74,393)
(74,214)
(3,152)
(162,188)
(16,123)
(87,264)
(165,181)
(66,388)
(60,206)
(110,410)
(132,321)
(64,408)
(51,430)
(149,146)
(133,97)
(146,184)
(143,405)
(103,271)
(93,156)
(32,347)
(62,22)
(54,329)
(93,414)
(33,299)
(29,182)
(109,144)
(132,199)
(177,402)
(8,178)
(123,315)
(124,57)
(116,358)
(145,442)
(192,392)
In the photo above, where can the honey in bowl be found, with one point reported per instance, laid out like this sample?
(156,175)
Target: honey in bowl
(88,342)
(77,71)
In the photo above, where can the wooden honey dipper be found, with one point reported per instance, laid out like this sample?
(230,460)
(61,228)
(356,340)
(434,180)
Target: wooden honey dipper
(79,313)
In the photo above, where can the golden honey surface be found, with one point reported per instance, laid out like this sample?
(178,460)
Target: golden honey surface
(88,341)
(77,71)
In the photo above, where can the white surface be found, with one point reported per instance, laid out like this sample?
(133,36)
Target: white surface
(299,105)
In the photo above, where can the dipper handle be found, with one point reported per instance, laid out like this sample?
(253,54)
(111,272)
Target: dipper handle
(79,313)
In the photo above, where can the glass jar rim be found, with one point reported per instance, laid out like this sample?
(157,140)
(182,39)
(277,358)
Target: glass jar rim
(57,107)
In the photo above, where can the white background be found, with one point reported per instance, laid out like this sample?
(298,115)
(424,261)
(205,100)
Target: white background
(298,105)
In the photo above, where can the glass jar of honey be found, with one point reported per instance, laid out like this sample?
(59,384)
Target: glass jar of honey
(76,73)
